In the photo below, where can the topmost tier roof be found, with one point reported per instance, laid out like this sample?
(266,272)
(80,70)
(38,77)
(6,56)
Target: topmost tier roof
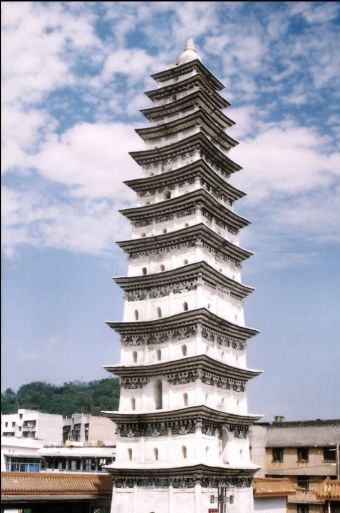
(188,60)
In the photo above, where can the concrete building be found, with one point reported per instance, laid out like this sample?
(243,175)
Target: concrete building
(82,443)
(305,452)
(89,429)
(45,427)
(183,419)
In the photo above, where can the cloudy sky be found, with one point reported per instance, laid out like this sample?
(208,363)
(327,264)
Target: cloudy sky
(74,74)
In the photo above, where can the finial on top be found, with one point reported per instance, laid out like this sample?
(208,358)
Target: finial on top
(189,53)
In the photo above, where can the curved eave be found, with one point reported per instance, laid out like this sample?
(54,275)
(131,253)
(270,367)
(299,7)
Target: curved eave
(186,102)
(203,362)
(186,272)
(196,471)
(187,413)
(173,127)
(180,69)
(182,85)
(199,197)
(196,231)
(195,140)
(200,315)
(197,168)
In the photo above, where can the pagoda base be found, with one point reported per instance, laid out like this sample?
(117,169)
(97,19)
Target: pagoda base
(182,489)
(150,499)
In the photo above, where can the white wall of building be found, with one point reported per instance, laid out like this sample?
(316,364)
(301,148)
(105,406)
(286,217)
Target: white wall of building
(270,505)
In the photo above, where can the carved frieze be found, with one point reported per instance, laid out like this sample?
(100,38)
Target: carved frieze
(134,382)
(161,290)
(186,481)
(220,338)
(174,427)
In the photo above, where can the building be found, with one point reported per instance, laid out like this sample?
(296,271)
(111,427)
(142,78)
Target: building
(305,452)
(76,459)
(45,427)
(82,443)
(88,429)
(271,494)
(20,454)
(183,422)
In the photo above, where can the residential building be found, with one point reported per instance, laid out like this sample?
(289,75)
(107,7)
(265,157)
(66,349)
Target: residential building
(89,429)
(45,427)
(270,495)
(183,421)
(305,452)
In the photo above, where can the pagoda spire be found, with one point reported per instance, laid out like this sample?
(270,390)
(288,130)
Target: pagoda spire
(189,53)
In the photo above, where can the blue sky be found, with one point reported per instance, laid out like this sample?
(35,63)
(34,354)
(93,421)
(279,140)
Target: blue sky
(74,74)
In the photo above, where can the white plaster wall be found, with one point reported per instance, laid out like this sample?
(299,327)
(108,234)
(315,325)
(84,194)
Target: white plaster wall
(270,505)
(177,500)
(218,302)
(172,225)
(173,259)
(173,397)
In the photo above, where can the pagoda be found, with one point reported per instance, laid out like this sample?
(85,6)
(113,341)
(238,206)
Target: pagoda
(182,424)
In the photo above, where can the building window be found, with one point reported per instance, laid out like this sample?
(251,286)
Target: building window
(302,454)
(303,482)
(184,452)
(185,306)
(136,315)
(6,424)
(168,195)
(134,356)
(329,453)
(186,262)
(277,454)
(165,230)
(130,454)
(87,430)
(155,451)
(184,350)
(13,424)
(144,270)
(302,508)
(159,355)
(159,313)
(133,403)
(185,399)
(162,268)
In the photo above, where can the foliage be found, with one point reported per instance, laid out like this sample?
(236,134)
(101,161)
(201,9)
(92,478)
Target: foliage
(69,398)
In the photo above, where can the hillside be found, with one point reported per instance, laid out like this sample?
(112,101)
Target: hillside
(69,398)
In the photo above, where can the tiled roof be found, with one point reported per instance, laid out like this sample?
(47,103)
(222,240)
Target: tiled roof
(50,483)
(267,487)
(329,490)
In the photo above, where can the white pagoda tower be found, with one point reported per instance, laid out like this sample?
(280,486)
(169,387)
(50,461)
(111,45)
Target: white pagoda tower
(182,424)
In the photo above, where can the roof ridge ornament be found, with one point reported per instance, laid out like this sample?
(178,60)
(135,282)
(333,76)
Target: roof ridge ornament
(189,53)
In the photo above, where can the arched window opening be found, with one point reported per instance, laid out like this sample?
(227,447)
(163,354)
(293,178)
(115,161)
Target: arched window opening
(208,306)
(159,313)
(185,399)
(185,306)
(144,270)
(184,350)
(184,451)
(186,225)
(167,195)
(136,315)
(133,403)
(206,398)
(159,355)
(165,230)
(155,451)
(222,355)
(134,356)
(162,268)
(130,454)
(158,394)
(207,449)
(143,234)
(186,262)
